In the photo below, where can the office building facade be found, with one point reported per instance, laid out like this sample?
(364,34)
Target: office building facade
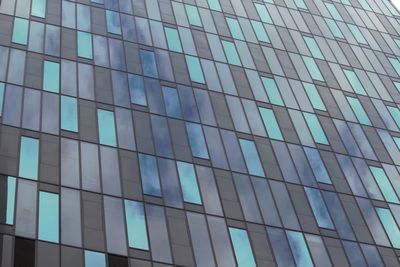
(139,133)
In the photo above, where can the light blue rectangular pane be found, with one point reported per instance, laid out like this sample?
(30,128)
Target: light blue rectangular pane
(195,71)
(214,5)
(396,64)
(85,45)
(187,177)
(48,217)
(251,157)
(196,140)
(357,34)
(397,141)
(395,112)
(29,158)
(173,40)
(106,127)
(390,226)
(136,87)
(193,15)
(317,165)
(365,5)
(391,8)
(20,31)
(384,184)
(148,63)
(234,27)
(271,124)
(241,246)
(318,207)
(333,11)
(358,110)
(272,91)
(94,259)
(172,104)
(313,47)
(314,96)
(136,225)
(299,249)
(355,82)
(51,77)
(1,98)
(149,175)
(397,41)
(38,8)
(261,34)
(334,28)
(300,4)
(263,13)
(315,128)
(113,22)
(69,114)
(313,68)
(231,53)
(11,187)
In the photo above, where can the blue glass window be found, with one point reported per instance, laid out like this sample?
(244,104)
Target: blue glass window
(334,28)
(317,165)
(263,13)
(355,82)
(261,34)
(113,22)
(173,40)
(299,249)
(365,5)
(196,140)
(314,96)
(85,45)
(193,15)
(195,71)
(333,11)
(272,91)
(357,108)
(48,217)
(69,114)
(313,47)
(357,34)
(214,5)
(38,8)
(396,64)
(51,77)
(300,4)
(94,259)
(136,225)
(7,202)
(187,178)
(384,184)
(20,31)
(136,88)
(241,246)
(106,127)
(231,53)
(234,27)
(319,209)
(149,174)
(313,68)
(172,104)
(395,112)
(390,226)
(271,123)
(29,158)
(148,63)
(315,128)
(251,157)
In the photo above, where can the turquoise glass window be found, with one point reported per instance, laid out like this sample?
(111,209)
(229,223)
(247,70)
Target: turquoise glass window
(271,124)
(397,41)
(187,178)
(251,157)
(314,96)
(195,71)
(272,91)
(241,246)
(148,63)
(299,249)
(172,104)
(300,4)
(106,127)
(234,27)
(261,34)
(48,217)
(397,141)
(396,64)
(136,225)
(315,128)
(319,209)
(113,22)
(1,97)
(7,188)
(193,15)
(20,31)
(355,82)
(231,53)
(196,140)
(357,108)
(149,174)
(85,45)
(69,114)
(391,8)
(317,165)
(38,8)
(313,47)
(397,84)
(365,5)
(214,5)
(29,158)
(384,184)
(137,90)
(313,68)
(51,77)
(357,34)
(263,13)
(334,28)
(390,226)
(333,11)
(94,259)
(173,40)
(395,112)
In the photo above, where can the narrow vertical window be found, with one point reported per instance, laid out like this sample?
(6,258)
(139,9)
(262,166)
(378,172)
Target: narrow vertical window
(357,108)
(106,127)
(193,15)
(272,91)
(51,77)
(196,140)
(94,259)
(357,34)
(136,225)
(231,53)
(241,246)
(187,178)
(20,31)
(314,96)
(148,63)
(69,114)
(333,11)
(299,249)
(149,175)
(300,4)
(1,98)
(315,127)
(195,71)
(251,157)
(384,184)
(48,217)
(312,68)
(313,47)
(334,28)
(172,104)
(319,209)
(391,228)
(259,29)
(263,13)
(7,199)
(113,22)
(38,8)
(85,45)
(270,123)
(234,27)
(355,82)
(173,40)
(214,5)
(396,64)
(317,165)
(137,90)
(365,5)
(29,158)
(395,112)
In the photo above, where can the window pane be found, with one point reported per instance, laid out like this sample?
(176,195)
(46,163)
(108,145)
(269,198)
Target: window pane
(271,123)
(173,40)
(38,8)
(106,127)
(319,209)
(357,34)
(85,45)
(242,247)
(196,140)
(193,15)
(263,13)
(334,28)
(51,78)
(391,228)
(29,158)
(272,91)
(299,249)
(261,34)
(231,53)
(136,225)
(251,157)
(7,199)
(313,68)
(234,27)
(314,96)
(69,114)
(148,63)
(384,184)
(333,11)
(113,22)
(20,31)
(355,82)
(357,108)
(149,175)
(313,47)
(396,64)
(214,5)
(172,104)
(195,71)
(315,128)
(94,259)
(48,217)
(187,178)
(136,87)
(395,112)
